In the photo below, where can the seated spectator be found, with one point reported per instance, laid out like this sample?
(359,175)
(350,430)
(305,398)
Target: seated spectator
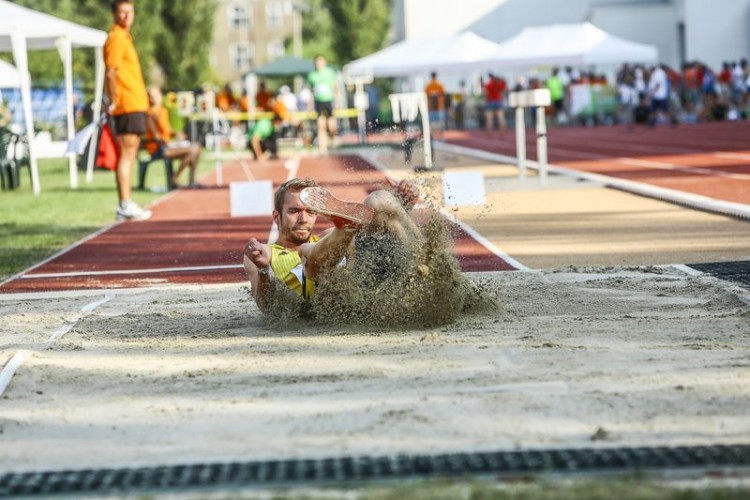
(263,137)
(161,139)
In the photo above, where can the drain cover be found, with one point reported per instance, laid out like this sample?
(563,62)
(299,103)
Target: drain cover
(364,468)
(738,272)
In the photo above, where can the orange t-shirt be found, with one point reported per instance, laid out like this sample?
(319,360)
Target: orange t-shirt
(158,117)
(435,95)
(280,109)
(120,54)
(262,98)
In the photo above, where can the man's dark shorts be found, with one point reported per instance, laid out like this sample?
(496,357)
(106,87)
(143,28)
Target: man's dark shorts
(324,108)
(130,123)
(660,105)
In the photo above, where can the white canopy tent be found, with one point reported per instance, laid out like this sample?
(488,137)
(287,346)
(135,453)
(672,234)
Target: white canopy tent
(10,78)
(452,53)
(580,44)
(23,29)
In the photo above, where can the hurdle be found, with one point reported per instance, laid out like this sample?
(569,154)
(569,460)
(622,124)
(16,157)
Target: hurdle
(406,106)
(539,99)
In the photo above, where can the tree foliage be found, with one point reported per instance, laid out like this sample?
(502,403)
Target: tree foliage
(359,27)
(171,35)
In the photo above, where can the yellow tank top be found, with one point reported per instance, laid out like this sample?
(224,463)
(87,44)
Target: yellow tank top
(287,266)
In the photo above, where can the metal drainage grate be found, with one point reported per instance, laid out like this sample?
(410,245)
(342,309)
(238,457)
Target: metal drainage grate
(738,272)
(365,468)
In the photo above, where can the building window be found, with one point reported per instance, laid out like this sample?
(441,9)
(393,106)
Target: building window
(274,14)
(239,16)
(275,49)
(242,55)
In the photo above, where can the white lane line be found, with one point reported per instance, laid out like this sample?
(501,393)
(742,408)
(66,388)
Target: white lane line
(680,168)
(61,252)
(732,156)
(17,360)
(695,201)
(10,368)
(130,271)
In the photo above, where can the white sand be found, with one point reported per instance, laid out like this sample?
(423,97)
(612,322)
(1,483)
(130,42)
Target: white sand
(650,356)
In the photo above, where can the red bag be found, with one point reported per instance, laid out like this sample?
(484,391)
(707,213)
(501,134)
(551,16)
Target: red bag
(107,156)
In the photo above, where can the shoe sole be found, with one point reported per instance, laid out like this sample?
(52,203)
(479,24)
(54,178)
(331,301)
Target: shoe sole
(321,201)
(145,215)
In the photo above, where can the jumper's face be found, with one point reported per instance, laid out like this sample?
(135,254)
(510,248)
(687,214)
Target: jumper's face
(295,221)
(124,15)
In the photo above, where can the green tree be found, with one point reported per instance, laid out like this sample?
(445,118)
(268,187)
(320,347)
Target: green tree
(359,27)
(181,50)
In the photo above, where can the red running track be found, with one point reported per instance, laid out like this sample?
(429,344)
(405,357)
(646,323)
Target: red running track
(708,159)
(192,237)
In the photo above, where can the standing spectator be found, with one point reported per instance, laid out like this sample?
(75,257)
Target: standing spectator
(725,78)
(324,89)
(128,103)
(627,99)
(557,94)
(262,97)
(738,83)
(435,101)
(225,100)
(658,91)
(494,105)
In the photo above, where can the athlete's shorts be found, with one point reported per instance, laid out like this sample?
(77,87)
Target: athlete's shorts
(324,108)
(659,105)
(493,105)
(130,123)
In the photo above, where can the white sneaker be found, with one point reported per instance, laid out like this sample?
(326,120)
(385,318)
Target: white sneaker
(129,210)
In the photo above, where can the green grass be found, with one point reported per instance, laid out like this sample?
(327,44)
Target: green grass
(34,227)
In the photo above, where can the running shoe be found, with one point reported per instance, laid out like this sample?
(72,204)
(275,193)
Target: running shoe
(343,214)
(129,210)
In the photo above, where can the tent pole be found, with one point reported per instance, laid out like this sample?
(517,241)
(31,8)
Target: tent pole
(66,54)
(20,57)
(98,95)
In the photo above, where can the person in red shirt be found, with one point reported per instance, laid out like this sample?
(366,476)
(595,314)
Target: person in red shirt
(262,97)
(494,106)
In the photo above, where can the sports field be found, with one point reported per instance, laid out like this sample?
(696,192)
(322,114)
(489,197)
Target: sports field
(141,347)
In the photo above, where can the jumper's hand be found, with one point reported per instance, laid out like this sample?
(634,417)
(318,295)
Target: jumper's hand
(256,252)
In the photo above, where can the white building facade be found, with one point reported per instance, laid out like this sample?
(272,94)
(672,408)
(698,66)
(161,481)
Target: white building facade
(683,30)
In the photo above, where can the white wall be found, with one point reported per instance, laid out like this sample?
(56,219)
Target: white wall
(717,31)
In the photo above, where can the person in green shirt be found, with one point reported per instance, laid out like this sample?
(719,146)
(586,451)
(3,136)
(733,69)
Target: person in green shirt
(263,137)
(557,93)
(323,83)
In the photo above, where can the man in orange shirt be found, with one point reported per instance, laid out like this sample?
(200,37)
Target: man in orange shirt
(128,103)
(160,136)
(436,101)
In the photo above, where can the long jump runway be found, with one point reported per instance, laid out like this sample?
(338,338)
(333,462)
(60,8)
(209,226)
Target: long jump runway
(192,238)
(706,159)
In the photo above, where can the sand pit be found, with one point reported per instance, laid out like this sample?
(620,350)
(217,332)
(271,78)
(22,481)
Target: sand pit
(577,357)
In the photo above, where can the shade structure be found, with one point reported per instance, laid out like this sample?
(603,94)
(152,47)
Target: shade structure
(10,78)
(23,29)
(285,66)
(581,44)
(445,54)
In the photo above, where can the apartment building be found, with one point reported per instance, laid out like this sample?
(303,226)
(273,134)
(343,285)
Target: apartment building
(249,34)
